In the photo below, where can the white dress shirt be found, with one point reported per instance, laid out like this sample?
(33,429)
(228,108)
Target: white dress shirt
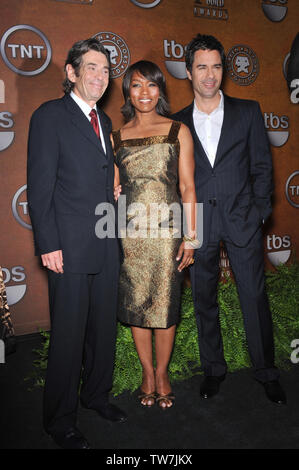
(86,110)
(208,128)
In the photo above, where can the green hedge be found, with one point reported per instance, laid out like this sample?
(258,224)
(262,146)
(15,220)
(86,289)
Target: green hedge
(283,292)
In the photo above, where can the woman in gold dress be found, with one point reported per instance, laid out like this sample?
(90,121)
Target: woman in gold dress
(154,158)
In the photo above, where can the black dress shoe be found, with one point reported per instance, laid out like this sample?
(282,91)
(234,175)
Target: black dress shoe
(275,392)
(110,412)
(71,439)
(211,385)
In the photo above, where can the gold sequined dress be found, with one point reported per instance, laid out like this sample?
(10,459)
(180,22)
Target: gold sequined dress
(150,284)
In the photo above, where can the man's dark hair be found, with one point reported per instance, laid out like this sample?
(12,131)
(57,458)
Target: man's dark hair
(74,58)
(203,42)
(151,72)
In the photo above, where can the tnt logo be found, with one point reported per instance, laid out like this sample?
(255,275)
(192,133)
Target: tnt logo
(292,189)
(177,67)
(277,136)
(278,248)
(25,50)
(20,207)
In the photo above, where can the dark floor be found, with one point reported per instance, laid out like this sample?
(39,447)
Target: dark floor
(240,417)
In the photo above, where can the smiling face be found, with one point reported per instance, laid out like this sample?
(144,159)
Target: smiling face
(206,74)
(93,77)
(144,94)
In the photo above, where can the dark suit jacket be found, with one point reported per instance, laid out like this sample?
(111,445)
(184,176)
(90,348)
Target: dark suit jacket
(68,176)
(241,179)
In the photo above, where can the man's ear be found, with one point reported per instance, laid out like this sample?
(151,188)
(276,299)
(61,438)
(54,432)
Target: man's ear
(189,75)
(70,72)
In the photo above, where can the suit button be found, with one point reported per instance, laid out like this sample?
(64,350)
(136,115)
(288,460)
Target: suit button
(104,167)
(213,174)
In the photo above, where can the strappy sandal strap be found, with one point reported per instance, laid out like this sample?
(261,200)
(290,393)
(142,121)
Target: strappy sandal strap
(147,395)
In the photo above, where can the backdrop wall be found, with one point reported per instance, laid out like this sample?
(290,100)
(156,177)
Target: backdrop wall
(35,36)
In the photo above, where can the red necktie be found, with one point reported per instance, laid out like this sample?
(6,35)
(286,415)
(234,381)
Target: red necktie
(94,122)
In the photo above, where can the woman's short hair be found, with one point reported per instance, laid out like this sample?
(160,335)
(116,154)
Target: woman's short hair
(75,55)
(151,72)
(203,42)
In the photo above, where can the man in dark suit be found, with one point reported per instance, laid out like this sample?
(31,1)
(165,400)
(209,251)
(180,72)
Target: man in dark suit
(70,172)
(233,180)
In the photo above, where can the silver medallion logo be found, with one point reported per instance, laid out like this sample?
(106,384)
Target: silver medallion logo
(275,10)
(210,9)
(119,52)
(146,3)
(292,189)
(278,135)
(25,50)
(173,50)
(242,65)
(20,207)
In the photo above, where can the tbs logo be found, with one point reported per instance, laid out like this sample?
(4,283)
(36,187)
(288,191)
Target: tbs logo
(278,249)
(15,275)
(6,137)
(176,68)
(275,10)
(277,137)
(146,4)
(6,122)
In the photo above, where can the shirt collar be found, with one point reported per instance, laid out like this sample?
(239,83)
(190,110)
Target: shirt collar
(220,106)
(82,104)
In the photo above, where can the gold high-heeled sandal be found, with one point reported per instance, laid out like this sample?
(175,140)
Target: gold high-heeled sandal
(147,396)
(164,398)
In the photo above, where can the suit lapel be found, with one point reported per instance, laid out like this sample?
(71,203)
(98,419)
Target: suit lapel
(82,123)
(106,133)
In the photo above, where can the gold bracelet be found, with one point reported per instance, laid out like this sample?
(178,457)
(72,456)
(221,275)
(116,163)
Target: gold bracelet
(192,242)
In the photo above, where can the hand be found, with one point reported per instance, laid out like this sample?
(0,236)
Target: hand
(53,261)
(117,191)
(187,257)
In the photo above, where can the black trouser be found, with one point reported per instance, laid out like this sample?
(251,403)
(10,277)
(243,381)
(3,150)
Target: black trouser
(247,264)
(83,330)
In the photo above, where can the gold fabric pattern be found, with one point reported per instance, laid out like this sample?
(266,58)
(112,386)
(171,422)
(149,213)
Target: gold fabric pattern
(150,284)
